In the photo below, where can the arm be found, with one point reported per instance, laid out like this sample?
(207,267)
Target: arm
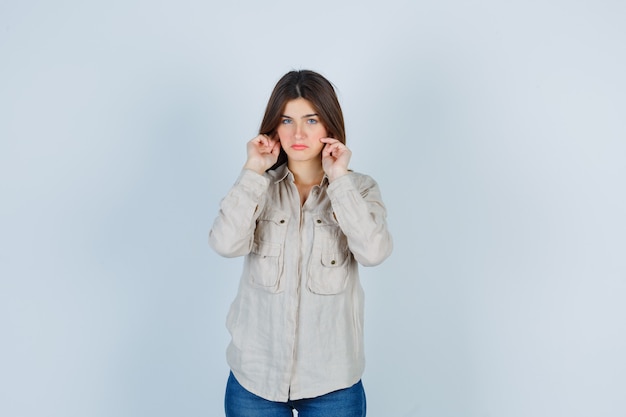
(361,214)
(357,205)
(232,233)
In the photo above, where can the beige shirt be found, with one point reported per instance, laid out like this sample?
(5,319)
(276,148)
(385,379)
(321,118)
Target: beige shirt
(297,320)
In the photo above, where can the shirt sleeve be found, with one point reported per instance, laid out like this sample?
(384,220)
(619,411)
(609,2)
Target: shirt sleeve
(362,216)
(232,233)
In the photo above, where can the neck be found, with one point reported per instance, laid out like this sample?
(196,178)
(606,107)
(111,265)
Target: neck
(306,172)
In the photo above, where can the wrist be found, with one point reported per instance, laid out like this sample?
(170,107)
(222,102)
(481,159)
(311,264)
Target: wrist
(256,167)
(336,175)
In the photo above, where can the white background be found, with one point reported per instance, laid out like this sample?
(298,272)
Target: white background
(496,131)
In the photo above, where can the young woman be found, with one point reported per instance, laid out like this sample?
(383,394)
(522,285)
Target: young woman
(303,221)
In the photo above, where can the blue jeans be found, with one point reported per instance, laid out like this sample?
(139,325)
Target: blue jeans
(348,402)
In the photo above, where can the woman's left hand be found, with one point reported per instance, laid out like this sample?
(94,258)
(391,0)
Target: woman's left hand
(335,158)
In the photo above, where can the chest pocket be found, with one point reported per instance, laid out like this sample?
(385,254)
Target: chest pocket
(330,258)
(266,260)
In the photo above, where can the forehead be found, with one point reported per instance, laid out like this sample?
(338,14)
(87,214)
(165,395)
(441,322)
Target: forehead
(299,107)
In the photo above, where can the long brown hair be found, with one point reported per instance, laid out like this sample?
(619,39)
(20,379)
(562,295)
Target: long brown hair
(310,86)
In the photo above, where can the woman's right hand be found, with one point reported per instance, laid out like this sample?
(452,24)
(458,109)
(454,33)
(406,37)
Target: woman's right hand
(263,152)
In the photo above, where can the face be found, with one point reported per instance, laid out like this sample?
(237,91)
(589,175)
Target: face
(300,131)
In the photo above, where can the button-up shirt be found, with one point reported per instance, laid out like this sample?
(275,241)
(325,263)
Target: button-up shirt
(296,323)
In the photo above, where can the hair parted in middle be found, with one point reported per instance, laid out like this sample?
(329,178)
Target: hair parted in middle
(310,86)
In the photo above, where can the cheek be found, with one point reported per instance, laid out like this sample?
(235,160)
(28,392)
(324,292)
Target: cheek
(319,131)
(283,131)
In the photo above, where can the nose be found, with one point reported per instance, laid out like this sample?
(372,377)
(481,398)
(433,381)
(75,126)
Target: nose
(299,131)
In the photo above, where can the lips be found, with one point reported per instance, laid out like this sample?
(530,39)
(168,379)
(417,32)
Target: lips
(299,147)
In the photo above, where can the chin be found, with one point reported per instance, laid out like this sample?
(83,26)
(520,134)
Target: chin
(301,157)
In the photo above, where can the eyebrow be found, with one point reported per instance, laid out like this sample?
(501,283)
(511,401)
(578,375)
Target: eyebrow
(306,116)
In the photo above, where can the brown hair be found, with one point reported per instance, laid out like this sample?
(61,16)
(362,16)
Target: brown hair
(310,86)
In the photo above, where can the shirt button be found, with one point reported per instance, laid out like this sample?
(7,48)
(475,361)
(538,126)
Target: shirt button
(282,221)
(319,221)
(333,262)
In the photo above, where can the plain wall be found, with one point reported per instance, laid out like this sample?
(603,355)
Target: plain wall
(496,131)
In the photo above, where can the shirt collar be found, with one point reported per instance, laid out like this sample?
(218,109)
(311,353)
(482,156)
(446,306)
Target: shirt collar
(282,172)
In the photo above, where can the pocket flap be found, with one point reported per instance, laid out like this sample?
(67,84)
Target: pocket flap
(275,216)
(266,249)
(333,259)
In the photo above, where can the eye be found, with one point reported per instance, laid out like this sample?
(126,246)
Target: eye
(311,121)
(286,121)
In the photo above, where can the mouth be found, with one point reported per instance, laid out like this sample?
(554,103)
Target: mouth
(299,147)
